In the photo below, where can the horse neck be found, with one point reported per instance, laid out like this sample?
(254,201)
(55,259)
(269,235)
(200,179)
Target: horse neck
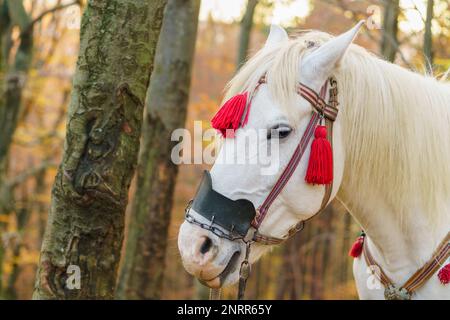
(401,236)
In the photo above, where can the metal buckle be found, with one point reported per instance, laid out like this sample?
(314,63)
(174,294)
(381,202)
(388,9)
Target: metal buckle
(333,92)
(250,235)
(256,218)
(393,293)
(188,206)
(321,106)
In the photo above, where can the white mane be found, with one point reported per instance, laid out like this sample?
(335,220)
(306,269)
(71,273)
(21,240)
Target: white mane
(396,123)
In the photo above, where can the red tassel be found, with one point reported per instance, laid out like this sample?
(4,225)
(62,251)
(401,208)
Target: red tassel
(229,117)
(320,167)
(357,247)
(444,274)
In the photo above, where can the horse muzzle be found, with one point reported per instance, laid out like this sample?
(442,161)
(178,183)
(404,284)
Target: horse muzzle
(212,260)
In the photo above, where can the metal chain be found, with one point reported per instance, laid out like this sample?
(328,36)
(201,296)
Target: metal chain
(244,272)
(215,293)
(209,226)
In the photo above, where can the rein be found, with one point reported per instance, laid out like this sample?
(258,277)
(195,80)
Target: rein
(238,219)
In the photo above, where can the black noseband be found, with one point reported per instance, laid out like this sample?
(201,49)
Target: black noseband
(235,216)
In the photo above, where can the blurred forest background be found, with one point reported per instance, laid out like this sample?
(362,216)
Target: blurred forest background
(39,51)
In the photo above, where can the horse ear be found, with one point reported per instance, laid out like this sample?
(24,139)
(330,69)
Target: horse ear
(322,61)
(277,35)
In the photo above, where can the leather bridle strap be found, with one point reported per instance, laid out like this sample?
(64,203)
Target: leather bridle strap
(324,110)
(382,277)
(424,273)
(418,279)
(287,173)
(329,111)
(330,108)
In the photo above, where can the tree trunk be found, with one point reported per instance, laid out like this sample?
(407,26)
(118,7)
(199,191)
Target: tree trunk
(16,75)
(316,267)
(22,218)
(328,231)
(428,38)
(143,267)
(348,238)
(246,28)
(83,239)
(5,38)
(389,43)
(12,79)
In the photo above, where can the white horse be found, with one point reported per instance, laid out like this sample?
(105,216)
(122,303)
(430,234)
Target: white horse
(391,149)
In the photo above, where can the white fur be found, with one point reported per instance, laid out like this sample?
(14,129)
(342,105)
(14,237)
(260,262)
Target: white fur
(391,153)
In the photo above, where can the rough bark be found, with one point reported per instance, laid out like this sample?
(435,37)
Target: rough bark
(246,28)
(89,196)
(143,267)
(428,38)
(389,42)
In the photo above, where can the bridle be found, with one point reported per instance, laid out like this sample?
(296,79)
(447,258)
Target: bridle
(238,219)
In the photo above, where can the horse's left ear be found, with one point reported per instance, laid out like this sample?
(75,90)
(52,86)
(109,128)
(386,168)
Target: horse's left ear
(327,57)
(277,36)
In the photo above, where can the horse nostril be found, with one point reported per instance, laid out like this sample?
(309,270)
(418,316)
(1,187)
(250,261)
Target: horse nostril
(206,245)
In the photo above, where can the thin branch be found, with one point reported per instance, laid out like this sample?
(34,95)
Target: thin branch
(51,10)
(17,14)
(397,48)
(418,11)
(54,133)
(355,18)
(30,173)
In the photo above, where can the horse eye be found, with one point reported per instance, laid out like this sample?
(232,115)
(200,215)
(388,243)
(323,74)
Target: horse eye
(279,131)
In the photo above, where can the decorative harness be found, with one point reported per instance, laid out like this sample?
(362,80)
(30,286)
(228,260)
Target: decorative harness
(417,280)
(238,219)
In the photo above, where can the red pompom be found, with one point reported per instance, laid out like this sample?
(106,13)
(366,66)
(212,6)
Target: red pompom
(357,247)
(320,166)
(229,117)
(444,274)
